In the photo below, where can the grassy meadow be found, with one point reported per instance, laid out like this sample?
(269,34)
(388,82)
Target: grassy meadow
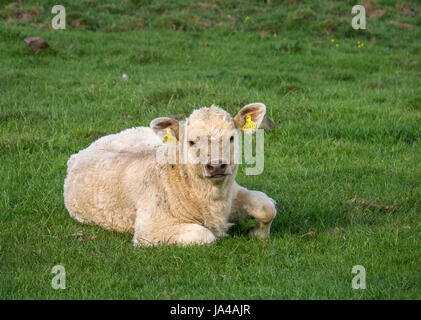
(344,159)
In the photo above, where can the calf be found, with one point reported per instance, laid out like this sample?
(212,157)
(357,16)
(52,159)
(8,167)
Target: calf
(119,183)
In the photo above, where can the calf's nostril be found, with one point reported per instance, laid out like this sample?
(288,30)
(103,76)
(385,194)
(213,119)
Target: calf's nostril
(209,167)
(223,166)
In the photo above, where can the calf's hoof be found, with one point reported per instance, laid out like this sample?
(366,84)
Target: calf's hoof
(261,231)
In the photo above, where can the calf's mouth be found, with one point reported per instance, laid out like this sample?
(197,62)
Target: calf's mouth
(218,177)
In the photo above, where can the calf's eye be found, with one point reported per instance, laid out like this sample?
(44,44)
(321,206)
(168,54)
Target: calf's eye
(191,143)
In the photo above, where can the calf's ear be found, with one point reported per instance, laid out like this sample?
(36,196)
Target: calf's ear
(256,111)
(160,125)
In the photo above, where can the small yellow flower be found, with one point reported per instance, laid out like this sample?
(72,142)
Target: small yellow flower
(359,46)
(337,44)
(247,18)
(358,42)
(332,40)
(362,44)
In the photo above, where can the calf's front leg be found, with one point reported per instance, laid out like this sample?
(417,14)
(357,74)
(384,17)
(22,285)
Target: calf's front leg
(255,204)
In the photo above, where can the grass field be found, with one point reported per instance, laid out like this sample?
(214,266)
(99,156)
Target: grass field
(344,159)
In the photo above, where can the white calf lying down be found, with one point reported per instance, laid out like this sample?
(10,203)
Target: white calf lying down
(118,183)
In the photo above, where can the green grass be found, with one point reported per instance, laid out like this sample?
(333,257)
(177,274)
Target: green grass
(348,125)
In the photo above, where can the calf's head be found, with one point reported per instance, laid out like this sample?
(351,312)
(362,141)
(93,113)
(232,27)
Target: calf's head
(206,141)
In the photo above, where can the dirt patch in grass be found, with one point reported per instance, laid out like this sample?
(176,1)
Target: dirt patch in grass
(24,16)
(406,8)
(199,22)
(94,135)
(370,205)
(403,26)
(372,9)
(15,12)
(201,6)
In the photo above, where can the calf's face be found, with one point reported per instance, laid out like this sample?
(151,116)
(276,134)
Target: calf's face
(208,137)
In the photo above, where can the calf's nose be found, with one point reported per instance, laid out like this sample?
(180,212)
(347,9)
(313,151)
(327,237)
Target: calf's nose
(216,168)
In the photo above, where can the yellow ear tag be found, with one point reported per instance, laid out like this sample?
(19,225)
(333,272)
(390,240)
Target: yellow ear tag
(249,125)
(169,137)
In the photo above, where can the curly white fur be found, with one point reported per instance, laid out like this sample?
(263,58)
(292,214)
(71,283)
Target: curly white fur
(117,183)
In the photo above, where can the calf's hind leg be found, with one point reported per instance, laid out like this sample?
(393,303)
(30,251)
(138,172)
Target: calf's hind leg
(190,233)
(180,234)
